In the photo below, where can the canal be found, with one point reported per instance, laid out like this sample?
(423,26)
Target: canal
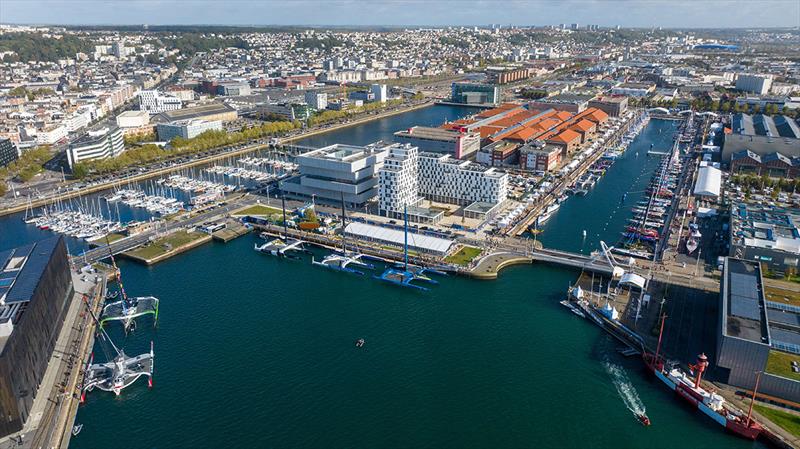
(252,351)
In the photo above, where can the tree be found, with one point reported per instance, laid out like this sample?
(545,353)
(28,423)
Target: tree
(80,171)
(3,188)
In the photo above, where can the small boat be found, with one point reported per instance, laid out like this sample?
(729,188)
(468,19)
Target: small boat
(360,342)
(691,245)
(76,429)
(643,419)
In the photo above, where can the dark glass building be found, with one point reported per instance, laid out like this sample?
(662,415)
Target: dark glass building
(35,290)
(8,152)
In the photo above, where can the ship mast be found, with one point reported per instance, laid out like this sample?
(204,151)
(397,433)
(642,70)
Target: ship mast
(660,334)
(405,237)
(344,225)
(753,399)
(283,207)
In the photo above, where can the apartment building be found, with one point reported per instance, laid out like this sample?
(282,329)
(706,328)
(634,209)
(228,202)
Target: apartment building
(398,181)
(154,102)
(447,180)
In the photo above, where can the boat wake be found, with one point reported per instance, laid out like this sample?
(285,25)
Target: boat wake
(625,388)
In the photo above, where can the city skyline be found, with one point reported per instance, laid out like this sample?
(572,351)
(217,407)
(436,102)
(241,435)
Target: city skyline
(398,13)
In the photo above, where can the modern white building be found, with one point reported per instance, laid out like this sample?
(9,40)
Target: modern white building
(447,180)
(398,181)
(317,100)
(379,92)
(187,129)
(78,120)
(97,144)
(337,171)
(133,119)
(51,135)
(154,102)
(750,82)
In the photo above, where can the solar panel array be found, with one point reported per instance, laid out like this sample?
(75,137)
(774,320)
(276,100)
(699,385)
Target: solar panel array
(744,296)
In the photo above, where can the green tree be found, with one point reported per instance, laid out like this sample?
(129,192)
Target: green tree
(80,171)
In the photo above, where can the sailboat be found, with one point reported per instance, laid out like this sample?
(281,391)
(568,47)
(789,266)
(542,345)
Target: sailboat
(280,247)
(119,373)
(342,262)
(404,277)
(127,309)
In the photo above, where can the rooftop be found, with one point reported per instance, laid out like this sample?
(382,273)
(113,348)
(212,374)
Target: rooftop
(193,112)
(744,308)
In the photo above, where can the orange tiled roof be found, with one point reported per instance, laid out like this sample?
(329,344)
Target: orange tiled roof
(566,136)
(583,125)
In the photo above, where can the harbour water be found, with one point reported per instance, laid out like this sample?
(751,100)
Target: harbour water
(253,351)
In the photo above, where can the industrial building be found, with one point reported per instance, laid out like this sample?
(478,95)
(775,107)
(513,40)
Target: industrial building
(762,135)
(474,93)
(97,144)
(35,293)
(186,129)
(8,152)
(563,102)
(614,106)
(460,143)
(505,75)
(338,170)
(755,83)
(774,165)
(208,111)
(750,328)
(634,89)
(766,234)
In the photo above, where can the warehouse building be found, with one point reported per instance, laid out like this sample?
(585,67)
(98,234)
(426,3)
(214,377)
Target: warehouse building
(460,143)
(35,290)
(766,234)
(762,135)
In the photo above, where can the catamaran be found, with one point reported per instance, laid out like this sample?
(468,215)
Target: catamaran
(127,309)
(404,277)
(280,247)
(342,262)
(119,373)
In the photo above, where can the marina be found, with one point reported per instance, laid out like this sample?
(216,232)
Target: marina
(399,324)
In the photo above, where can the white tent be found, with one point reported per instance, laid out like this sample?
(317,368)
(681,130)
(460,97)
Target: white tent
(632,279)
(709,180)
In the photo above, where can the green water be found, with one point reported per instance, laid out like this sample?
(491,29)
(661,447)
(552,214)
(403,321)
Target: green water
(252,351)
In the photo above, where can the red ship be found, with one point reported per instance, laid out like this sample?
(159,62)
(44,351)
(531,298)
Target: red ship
(708,402)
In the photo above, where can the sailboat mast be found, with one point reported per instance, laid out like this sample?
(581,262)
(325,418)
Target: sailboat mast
(405,237)
(344,225)
(283,206)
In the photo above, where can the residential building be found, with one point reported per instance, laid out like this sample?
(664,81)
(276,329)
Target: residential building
(755,83)
(398,183)
(51,135)
(446,180)
(186,129)
(8,152)
(475,93)
(317,100)
(338,170)
(97,144)
(462,144)
(35,292)
(155,102)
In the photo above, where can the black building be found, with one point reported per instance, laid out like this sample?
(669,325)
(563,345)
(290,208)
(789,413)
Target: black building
(8,152)
(35,290)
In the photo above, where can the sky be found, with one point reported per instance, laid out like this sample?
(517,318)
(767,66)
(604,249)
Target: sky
(626,13)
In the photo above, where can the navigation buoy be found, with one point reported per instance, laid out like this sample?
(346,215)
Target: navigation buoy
(584,233)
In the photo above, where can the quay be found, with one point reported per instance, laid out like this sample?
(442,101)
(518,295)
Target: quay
(225,154)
